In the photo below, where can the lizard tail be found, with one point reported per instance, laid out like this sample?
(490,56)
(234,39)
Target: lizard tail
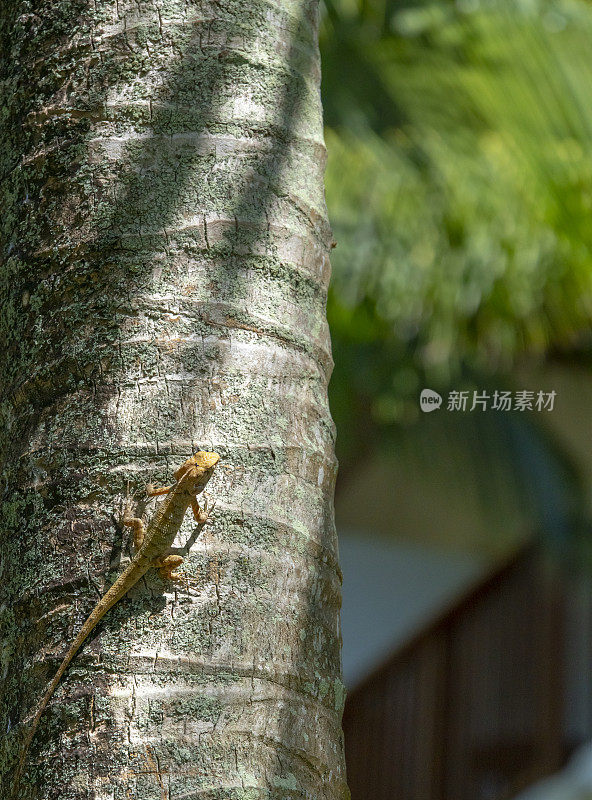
(41,708)
(133,573)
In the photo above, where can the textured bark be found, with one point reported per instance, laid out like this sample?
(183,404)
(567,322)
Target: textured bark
(163,278)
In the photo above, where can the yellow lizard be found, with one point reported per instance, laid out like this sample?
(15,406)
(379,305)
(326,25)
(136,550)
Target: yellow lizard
(152,545)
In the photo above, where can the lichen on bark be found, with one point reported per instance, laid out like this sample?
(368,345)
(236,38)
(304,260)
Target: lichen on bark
(163,275)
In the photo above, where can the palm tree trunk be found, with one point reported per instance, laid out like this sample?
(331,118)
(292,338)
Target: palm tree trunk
(163,278)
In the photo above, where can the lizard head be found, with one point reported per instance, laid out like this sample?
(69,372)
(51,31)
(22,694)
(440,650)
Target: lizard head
(197,470)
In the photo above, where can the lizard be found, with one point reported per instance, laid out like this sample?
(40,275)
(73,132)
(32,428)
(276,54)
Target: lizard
(151,544)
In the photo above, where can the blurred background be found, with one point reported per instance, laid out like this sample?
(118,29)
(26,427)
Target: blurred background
(459,185)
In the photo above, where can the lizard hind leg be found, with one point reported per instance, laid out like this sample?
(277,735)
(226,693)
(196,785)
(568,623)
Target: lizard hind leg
(138,528)
(166,566)
(135,523)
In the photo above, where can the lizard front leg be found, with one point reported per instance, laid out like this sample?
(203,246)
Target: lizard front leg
(201,514)
(154,491)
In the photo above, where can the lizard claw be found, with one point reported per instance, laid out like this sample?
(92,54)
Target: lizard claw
(127,503)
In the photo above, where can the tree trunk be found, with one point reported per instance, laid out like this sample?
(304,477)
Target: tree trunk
(163,277)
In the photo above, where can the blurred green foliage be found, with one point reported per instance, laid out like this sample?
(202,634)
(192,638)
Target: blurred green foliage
(459,186)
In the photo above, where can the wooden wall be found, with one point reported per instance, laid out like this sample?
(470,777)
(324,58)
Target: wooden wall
(471,709)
